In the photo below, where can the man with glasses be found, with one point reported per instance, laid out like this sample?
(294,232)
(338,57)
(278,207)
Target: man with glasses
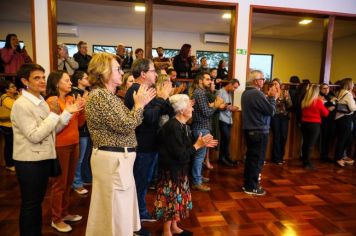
(82,56)
(257,110)
(147,152)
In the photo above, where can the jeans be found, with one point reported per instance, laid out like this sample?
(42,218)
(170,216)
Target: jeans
(84,142)
(143,172)
(199,158)
(256,143)
(310,133)
(225,130)
(33,178)
(279,125)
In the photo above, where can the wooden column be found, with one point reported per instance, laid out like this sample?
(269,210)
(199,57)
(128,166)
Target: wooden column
(329,25)
(232,42)
(52,31)
(33,30)
(148,28)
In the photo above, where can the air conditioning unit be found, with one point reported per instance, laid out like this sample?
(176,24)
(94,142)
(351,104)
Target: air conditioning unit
(67,30)
(216,38)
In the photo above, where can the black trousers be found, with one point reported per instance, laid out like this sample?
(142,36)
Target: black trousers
(33,178)
(310,133)
(279,126)
(8,137)
(343,135)
(225,131)
(327,131)
(256,143)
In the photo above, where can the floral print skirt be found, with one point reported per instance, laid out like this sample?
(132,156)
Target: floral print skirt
(173,199)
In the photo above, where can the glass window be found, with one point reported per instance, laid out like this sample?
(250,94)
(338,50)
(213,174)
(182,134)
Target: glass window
(213,57)
(72,49)
(168,52)
(108,48)
(2,43)
(263,62)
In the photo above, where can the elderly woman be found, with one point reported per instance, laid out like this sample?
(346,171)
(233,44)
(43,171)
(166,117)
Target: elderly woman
(34,128)
(176,147)
(65,62)
(113,207)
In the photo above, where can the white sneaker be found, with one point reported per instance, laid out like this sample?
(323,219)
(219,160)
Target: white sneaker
(72,218)
(81,190)
(348,160)
(66,228)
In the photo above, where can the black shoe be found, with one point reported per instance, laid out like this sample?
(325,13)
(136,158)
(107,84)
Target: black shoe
(257,191)
(142,232)
(185,233)
(309,167)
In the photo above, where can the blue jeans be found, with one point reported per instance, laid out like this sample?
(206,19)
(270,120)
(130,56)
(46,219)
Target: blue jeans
(225,130)
(83,153)
(199,158)
(256,143)
(143,171)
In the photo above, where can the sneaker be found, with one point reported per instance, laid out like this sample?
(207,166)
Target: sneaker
(348,160)
(11,168)
(201,187)
(257,191)
(147,218)
(205,180)
(81,190)
(61,227)
(72,218)
(341,162)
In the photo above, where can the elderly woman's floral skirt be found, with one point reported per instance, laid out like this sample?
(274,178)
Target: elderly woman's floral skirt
(173,199)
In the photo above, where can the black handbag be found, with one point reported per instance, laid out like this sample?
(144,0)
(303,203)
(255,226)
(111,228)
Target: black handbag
(342,108)
(56,169)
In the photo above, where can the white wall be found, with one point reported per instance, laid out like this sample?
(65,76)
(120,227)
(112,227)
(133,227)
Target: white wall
(135,38)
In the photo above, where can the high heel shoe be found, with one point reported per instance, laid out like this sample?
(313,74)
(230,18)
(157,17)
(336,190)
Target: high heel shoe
(209,166)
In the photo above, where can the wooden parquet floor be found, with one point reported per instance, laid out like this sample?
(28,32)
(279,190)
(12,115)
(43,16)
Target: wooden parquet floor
(298,202)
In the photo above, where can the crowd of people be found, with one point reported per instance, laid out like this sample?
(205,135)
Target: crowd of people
(124,124)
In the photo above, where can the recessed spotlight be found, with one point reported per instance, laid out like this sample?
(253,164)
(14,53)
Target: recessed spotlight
(305,22)
(226,16)
(140,8)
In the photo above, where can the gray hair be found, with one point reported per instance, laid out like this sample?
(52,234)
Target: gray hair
(179,102)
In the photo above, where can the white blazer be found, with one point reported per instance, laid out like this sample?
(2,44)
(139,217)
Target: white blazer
(34,128)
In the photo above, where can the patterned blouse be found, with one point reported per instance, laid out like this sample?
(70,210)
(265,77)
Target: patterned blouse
(283,103)
(109,121)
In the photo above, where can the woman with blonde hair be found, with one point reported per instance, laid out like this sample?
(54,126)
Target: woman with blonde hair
(344,122)
(113,206)
(312,111)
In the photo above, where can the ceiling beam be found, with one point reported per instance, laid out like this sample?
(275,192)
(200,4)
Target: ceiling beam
(329,26)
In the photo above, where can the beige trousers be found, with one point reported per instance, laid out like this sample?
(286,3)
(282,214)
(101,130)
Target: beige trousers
(113,205)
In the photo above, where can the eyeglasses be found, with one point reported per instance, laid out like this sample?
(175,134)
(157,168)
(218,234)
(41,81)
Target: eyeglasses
(261,79)
(153,70)
(118,69)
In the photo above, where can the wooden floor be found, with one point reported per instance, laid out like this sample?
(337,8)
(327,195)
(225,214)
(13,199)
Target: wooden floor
(298,202)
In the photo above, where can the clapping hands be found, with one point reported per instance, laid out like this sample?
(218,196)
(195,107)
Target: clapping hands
(143,96)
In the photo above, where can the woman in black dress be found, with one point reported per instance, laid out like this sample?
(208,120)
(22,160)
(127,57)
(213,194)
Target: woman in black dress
(176,148)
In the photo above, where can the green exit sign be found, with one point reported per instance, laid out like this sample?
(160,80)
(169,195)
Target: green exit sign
(241,51)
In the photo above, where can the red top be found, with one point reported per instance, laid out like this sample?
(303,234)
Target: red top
(314,112)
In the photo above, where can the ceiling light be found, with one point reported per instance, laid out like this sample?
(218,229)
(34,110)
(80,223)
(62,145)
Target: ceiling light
(226,16)
(305,22)
(140,8)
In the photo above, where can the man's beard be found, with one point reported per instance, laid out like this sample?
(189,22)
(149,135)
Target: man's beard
(160,54)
